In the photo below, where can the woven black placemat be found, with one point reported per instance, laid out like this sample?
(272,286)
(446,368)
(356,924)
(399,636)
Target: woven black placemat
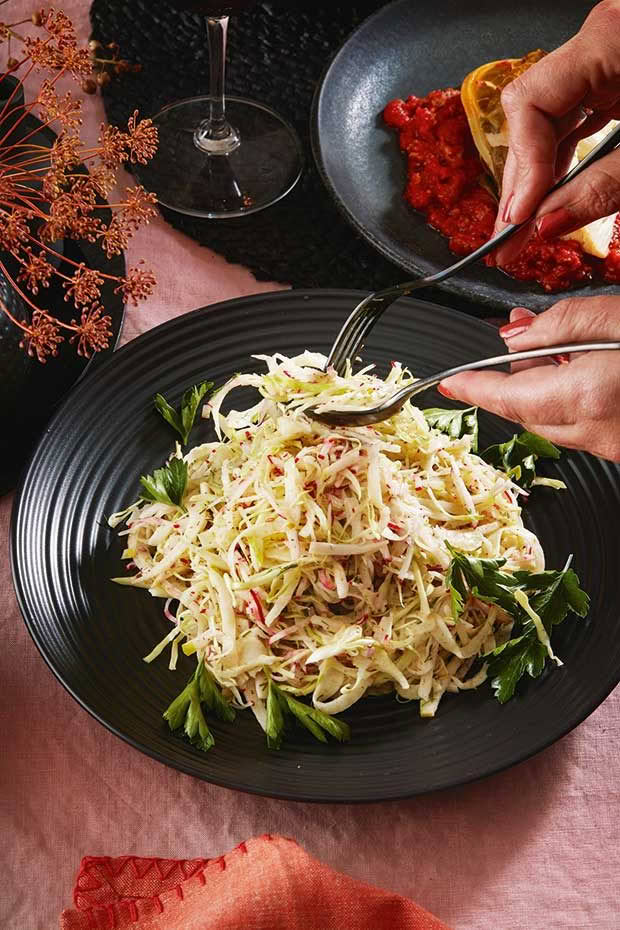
(277,53)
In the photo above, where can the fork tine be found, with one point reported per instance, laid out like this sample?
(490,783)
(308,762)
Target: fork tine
(354,338)
(360,322)
(345,338)
(368,323)
(349,343)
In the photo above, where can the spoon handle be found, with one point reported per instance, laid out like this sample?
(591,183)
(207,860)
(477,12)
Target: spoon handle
(426,383)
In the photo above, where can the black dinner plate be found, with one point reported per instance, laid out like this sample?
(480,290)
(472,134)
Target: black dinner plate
(93,633)
(415,47)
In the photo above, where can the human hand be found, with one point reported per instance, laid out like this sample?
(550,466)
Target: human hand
(576,404)
(571,93)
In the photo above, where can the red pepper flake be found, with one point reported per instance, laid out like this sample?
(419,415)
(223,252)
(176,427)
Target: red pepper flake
(185,561)
(176,526)
(395,527)
(248,434)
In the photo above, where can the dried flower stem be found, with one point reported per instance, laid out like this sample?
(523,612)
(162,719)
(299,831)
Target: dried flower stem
(45,197)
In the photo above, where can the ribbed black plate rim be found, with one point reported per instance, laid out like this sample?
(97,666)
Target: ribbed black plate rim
(47,598)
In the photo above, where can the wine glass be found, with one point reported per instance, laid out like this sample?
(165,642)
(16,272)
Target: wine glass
(221,156)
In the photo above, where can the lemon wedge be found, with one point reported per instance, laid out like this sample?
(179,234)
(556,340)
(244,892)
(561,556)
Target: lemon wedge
(595,238)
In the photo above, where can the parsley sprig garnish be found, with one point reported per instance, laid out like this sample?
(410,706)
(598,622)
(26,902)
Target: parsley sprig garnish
(186,709)
(186,712)
(283,710)
(455,423)
(551,595)
(518,456)
(183,420)
(166,485)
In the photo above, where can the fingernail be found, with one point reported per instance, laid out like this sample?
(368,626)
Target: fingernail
(506,211)
(444,390)
(555,224)
(510,330)
(524,314)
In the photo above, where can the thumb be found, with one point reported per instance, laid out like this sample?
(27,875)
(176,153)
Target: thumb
(573,320)
(590,196)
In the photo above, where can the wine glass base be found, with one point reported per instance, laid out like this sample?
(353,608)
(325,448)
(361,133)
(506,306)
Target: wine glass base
(263,168)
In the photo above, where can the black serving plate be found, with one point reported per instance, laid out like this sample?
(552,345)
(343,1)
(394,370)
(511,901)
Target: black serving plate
(415,47)
(93,633)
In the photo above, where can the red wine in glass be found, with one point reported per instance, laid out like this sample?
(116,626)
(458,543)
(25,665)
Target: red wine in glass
(221,156)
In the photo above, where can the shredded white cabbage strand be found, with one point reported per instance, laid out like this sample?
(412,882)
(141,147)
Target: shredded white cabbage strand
(318,555)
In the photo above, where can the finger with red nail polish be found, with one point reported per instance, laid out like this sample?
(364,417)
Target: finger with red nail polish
(593,195)
(523,316)
(516,327)
(555,224)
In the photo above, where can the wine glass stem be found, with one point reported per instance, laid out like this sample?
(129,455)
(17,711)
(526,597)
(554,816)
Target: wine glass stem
(215,135)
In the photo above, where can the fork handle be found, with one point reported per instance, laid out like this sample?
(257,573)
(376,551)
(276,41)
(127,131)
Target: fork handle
(426,383)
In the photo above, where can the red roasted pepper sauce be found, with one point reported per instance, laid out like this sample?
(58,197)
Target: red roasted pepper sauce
(443,183)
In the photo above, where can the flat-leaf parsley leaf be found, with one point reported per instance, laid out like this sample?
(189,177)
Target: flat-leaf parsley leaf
(166,485)
(183,420)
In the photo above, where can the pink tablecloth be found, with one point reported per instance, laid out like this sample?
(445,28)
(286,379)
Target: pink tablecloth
(538,846)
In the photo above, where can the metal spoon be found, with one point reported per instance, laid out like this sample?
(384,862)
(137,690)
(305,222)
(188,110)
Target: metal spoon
(365,417)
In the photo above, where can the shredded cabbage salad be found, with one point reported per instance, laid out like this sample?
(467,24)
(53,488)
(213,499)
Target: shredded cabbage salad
(316,558)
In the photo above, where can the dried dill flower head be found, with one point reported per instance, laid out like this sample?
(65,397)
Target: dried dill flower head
(45,195)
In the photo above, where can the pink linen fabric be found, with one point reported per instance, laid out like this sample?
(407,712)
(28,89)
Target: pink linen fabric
(537,846)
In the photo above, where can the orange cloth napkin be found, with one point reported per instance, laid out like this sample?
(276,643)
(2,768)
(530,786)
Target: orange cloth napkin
(268,883)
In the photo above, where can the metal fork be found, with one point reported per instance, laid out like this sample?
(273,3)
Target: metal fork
(382,411)
(352,335)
